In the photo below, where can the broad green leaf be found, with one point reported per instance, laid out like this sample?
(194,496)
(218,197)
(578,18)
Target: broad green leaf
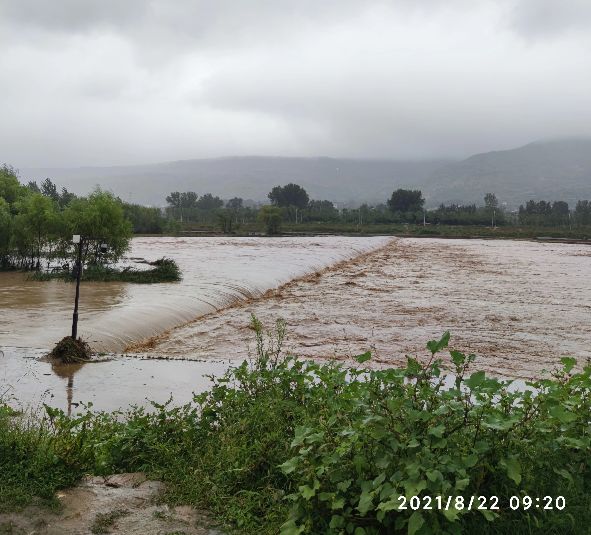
(457,357)
(339,503)
(289,466)
(461,484)
(437,345)
(488,514)
(437,431)
(564,473)
(475,380)
(393,504)
(336,521)
(415,522)
(561,414)
(434,475)
(365,502)
(364,357)
(290,528)
(308,492)
(513,467)
(344,485)
(451,514)
(568,363)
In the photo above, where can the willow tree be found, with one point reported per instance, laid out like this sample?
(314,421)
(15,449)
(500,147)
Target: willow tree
(100,218)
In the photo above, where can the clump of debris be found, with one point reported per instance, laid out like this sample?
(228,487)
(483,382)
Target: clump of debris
(70,351)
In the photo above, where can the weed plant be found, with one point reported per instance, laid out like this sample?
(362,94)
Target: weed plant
(280,445)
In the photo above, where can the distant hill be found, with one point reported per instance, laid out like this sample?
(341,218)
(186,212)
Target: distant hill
(335,179)
(551,170)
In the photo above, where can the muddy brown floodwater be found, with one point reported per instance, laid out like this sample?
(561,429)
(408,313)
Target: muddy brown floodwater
(217,272)
(520,305)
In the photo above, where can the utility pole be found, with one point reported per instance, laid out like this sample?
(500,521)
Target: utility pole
(80,241)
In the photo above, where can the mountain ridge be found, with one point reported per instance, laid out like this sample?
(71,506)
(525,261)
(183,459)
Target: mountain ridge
(545,169)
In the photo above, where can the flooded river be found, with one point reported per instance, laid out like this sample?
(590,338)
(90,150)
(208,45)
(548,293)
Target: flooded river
(519,305)
(217,272)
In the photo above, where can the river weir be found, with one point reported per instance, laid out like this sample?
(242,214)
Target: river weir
(217,272)
(518,305)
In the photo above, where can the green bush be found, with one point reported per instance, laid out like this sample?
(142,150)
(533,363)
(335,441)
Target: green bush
(282,445)
(164,270)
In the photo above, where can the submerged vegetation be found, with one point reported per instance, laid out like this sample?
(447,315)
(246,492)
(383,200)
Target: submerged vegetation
(282,445)
(163,270)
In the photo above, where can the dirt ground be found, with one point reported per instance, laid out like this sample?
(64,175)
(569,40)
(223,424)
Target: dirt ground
(122,504)
(518,305)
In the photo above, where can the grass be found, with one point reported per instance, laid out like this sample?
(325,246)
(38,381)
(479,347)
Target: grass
(163,270)
(281,445)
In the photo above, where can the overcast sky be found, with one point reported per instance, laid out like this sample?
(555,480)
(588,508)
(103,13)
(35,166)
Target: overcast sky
(99,82)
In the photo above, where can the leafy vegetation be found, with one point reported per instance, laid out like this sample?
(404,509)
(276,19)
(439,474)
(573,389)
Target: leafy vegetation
(37,224)
(163,270)
(282,445)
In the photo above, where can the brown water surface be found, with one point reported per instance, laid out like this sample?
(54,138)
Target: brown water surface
(217,272)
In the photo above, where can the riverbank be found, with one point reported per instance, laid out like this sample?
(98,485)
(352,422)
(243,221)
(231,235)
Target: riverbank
(280,445)
(522,304)
(402,230)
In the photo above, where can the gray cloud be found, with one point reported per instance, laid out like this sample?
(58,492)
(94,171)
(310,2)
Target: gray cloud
(106,82)
(548,18)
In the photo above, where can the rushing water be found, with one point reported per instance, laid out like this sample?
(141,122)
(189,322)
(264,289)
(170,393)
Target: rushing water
(520,305)
(217,272)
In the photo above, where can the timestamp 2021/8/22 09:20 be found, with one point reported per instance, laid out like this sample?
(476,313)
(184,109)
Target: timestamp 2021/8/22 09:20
(483,503)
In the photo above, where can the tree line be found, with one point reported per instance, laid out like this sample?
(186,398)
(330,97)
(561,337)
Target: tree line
(291,204)
(37,220)
(37,223)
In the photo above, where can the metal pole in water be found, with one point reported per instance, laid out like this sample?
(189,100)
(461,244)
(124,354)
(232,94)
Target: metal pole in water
(78,275)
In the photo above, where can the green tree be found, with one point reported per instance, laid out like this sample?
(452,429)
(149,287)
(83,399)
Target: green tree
(270,216)
(583,213)
(145,219)
(99,217)
(37,218)
(49,189)
(406,200)
(491,202)
(208,203)
(5,233)
(225,218)
(289,195)
(174,200)
(65,197)
(235,204)
(10,188)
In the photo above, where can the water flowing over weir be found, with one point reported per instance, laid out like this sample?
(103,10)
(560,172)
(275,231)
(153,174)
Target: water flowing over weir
(217,272)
